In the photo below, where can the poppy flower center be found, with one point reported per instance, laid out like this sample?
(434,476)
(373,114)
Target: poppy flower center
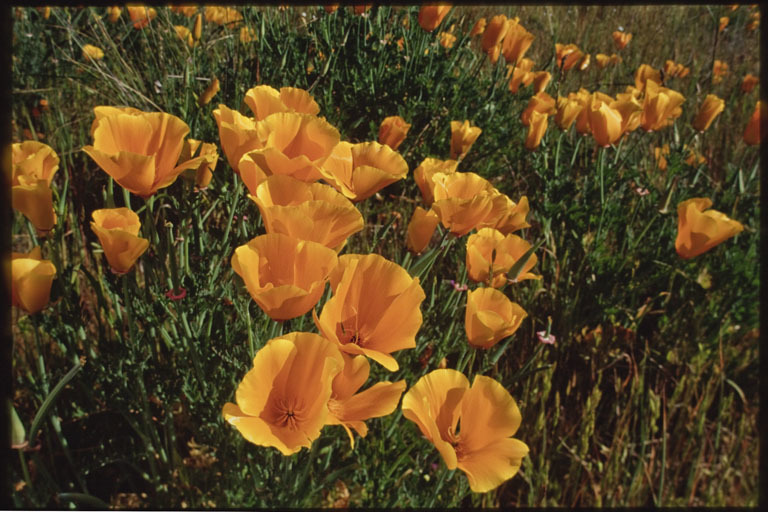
(284,414)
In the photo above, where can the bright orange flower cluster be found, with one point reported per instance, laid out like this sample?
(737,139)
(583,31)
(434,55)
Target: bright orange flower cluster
(32,169)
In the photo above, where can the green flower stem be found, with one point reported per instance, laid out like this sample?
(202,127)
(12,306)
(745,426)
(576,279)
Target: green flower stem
(175,283)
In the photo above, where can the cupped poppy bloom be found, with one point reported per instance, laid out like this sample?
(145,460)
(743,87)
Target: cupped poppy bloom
(494,33)
(204,172)
(661,107)
(602,60)
(392,131)
(478,28)
(483,448)
(749,83)
(724,20)
(264,100)
(118,233)
(462,137)
(349,408)
(308,211)
(537,126)
(420,229)
(540,102)
(431,15)
(426,170)
(463,200)
(754,132)
(567,55)
(374,310)
(631,111)
(92,52)
(516,42)
(238,136)
(283,400)
(671,69)
(141,15)
(645,73)
(294,145)
(284,275)
(583,63)
(568,109)
(209,92)
(605,123)
(31,279)
(621,39)
(708,111)
(490,317)
(520,74)
(490,255)
(360,170)
(140,150)
(506,216)
(540,81)
(699,229)
(33,167)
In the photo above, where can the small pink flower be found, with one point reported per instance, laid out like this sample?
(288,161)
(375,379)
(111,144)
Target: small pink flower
(549,339)
(641,191)
(176,296)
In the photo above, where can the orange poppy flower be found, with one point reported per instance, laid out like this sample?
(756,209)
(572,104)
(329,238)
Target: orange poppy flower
(494,33)
(719,70)
(204,172)
(238,135)
(264,100)
(349,408)
(699,229)
(659,156)
(31,279)
(92,52)
(392,131)
(462,137)
(754,132)
(141,15)
(360,170)
(507,216)
(374,310)
(490,255)
(226,16)
(661,107)
(209,92)
(463,200)
(426,170)
(431,15)
(420,229)
(540,102)
(114,13)
(478,28)
(118,233)
(645,73)
(516,42)
(294,144)
(537,126)
(197,28)
(284,275)
(186,10)
(490,317)
(749,82)
(723,23)
(484,449)
(708,111)
(567,55)
(33,167)
(520,74)
(446,39)
(308,211)
(283,400)
(140,150)
(605,123)
(631,111)
(568,109)
(621,39)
